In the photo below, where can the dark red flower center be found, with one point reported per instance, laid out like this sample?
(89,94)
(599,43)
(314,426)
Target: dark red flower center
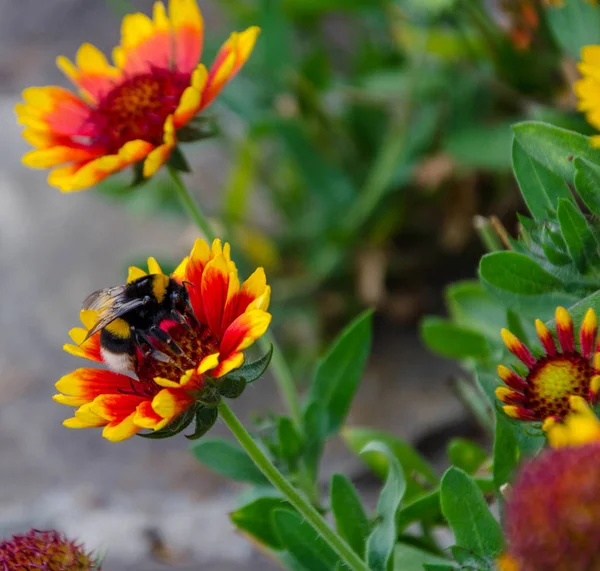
(554,379)
(195,343)
(137,108)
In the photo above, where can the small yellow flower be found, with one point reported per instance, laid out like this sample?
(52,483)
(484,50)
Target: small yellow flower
(506,563)
(130,112)
(587,88)
(544,391)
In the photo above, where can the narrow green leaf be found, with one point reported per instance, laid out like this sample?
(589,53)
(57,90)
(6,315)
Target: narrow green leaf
(339,373)
(451,340)
(314,421)
(302,542)
(381,542)
(517,273)
(540,187)
(228,459)
(506,450)
(468,515)
(580,240)
(425,509)
(256,519)
(554,147)
(290,442)
(350,517)
(466,455)
(205,420)
(412,462)
(587,183)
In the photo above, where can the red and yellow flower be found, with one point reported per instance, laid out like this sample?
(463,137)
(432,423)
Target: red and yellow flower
(48,550)
(230,317)
(561,372)
(131,111)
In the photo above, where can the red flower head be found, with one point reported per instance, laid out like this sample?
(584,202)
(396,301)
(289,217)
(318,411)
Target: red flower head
(44,551)
(165,394)
(552,517)
(130,112)
(544,391)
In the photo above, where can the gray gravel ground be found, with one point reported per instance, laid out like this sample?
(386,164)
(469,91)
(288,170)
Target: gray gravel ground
(54,250)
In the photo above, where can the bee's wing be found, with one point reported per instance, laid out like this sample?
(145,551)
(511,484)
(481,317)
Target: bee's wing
(113,312)
(102,299)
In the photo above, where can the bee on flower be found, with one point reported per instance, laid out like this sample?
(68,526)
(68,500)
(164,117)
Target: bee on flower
(171,345)
(132,112)
(543,391)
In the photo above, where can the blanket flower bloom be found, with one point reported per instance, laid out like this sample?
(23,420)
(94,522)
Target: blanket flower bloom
(130,112)
(551,379)
(228,318)
(47,550)
(552,517)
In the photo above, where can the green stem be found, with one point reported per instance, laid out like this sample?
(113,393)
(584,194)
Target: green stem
(308,512)
(281,370)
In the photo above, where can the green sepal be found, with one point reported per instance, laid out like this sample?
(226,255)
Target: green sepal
(198,129)
(174,427)
(231,387)
(205,419)
(138,175)
(208,396)
(252,371)
(178,161)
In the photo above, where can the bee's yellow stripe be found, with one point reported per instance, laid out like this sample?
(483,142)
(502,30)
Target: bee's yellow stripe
(119,328)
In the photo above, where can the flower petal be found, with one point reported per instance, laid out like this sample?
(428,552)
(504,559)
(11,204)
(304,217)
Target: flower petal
(191,99)
(160,155)
(87,384)
(564,330)
(231,57)
(188,32)
(246,329)
(92,74)
(170,403)
(214,287)
(234,361)
(517,348)
(587,335)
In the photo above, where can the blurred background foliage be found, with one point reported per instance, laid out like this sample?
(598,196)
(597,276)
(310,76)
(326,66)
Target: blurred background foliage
(367,134)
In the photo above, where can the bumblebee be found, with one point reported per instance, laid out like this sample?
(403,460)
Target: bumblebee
(130,316)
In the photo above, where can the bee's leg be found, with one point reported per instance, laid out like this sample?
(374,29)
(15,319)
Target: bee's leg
(163,337)
(180,319)
(148,349)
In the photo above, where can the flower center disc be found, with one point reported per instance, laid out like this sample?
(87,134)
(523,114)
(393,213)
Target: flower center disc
(554,379)
(195,343)
(137,108)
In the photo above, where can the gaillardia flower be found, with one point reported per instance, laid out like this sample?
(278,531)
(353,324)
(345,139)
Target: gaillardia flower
(227,318)
(44,550)
(129,112)
(558,374)
(552,516)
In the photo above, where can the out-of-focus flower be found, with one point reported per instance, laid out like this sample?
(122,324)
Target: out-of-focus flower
(561,3)
(131,112)
(587,88)
(228,318)
(523,21)
(44,551)
(552,517)
(558,374)
(506,563)
(579,427)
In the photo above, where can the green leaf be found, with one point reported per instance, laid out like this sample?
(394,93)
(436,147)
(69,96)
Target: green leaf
(574,25)
(410,558)
(540,187)
(290,442)
(468,515)
(481,146)
(314,421)
(466,455)
(350,517)
(303,542)
(174,427)
(339,373)
(471,306)
(256,518)
(554,147)
(229,460)
(250,372)
(425,509)
(517,273)
(578,310)
(451,340)
(580,240)
(412,462)
(587,183)
(381,542)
